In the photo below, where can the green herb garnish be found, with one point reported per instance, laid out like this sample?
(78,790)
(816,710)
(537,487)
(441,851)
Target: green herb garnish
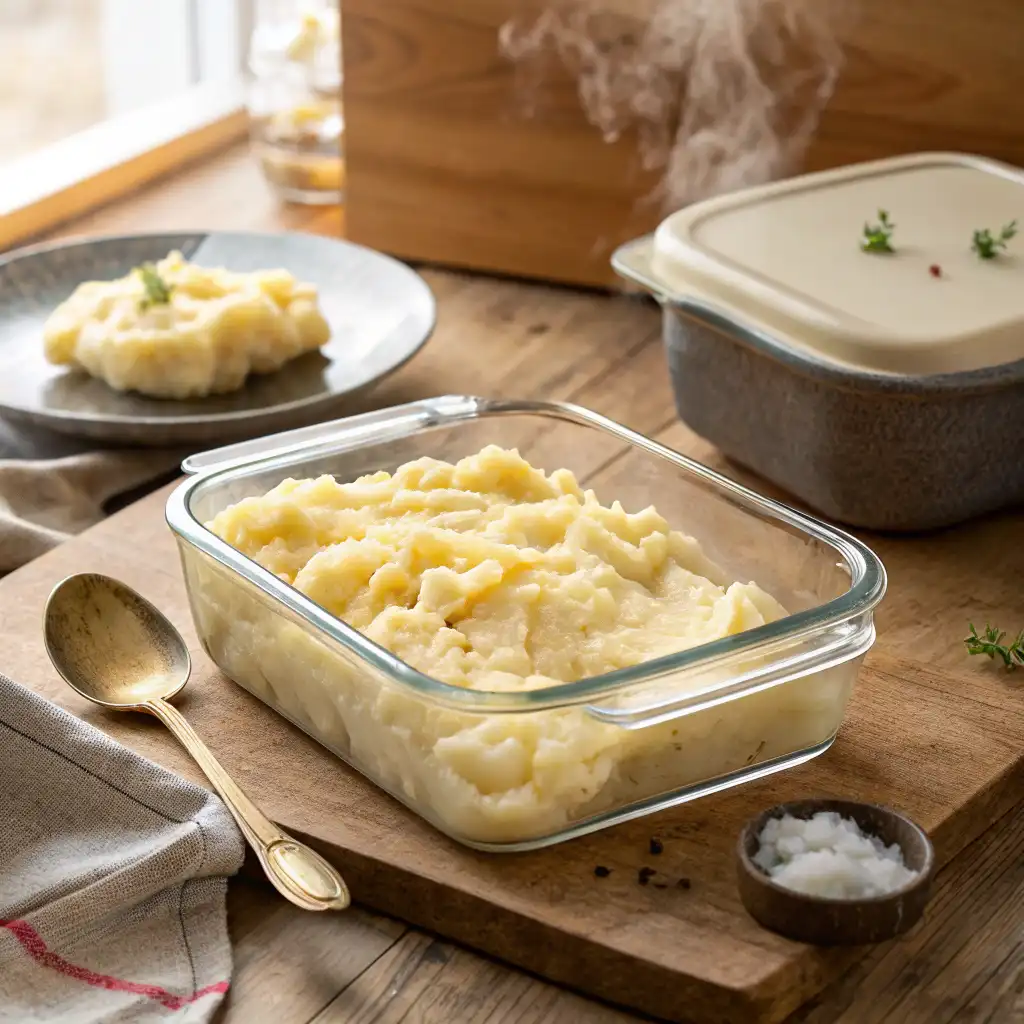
(878,237)
(158,291)
(990,643)
(987,245)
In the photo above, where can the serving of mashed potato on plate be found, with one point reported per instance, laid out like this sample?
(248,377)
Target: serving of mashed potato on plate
(491,575)
(176,330)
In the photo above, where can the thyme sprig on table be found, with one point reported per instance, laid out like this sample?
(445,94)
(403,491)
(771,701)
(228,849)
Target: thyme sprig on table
(157,290)
(878,237)
(990,643)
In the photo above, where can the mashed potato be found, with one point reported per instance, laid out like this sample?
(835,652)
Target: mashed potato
(177,330)
(490,575)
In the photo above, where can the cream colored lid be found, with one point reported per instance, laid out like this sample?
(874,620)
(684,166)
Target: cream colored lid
(786,257)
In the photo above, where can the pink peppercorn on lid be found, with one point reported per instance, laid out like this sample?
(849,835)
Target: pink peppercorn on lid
(790,258)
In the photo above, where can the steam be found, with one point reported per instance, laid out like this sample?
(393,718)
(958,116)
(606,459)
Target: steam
(721,93)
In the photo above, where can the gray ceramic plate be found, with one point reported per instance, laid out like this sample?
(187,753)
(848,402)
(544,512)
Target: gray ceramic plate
(380,312)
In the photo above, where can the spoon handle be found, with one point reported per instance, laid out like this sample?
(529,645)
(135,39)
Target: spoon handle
(297,872)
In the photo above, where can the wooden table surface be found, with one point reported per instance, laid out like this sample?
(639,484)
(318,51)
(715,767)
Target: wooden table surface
(964,963)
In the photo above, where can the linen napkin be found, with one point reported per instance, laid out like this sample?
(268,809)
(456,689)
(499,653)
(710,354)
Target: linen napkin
(52,487)
(113,874)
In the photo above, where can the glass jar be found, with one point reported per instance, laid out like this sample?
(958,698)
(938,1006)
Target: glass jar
(298,125)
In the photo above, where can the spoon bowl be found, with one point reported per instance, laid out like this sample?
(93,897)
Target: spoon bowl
(115,649)
(111,645)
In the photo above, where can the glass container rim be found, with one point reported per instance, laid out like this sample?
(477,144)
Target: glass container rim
(867,573)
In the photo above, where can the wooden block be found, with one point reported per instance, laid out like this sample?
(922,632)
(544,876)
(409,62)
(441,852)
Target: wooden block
(445,165)
(927,75)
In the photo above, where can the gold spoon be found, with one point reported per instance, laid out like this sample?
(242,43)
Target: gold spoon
(113,647)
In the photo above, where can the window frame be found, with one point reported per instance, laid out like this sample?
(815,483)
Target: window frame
(67,178)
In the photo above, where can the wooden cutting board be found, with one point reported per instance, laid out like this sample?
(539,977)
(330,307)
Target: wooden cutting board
(936,734)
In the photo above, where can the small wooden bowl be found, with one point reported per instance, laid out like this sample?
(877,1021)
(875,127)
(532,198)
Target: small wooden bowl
(838,922)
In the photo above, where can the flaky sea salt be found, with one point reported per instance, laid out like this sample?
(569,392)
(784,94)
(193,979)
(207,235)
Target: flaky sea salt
(828,855)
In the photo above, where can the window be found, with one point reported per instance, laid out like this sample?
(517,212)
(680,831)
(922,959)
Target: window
(91,87)
(36,106)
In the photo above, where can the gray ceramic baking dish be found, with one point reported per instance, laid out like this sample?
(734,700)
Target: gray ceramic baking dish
(880,450)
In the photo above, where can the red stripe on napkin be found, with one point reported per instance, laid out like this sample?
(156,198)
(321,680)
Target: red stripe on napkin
(33,944)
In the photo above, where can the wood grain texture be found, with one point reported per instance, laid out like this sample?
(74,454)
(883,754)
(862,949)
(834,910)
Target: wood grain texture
(927,75)
(963,965)
(933,731)
(441,983)
(449,162)
(289,967)
(444,165)
(966,961)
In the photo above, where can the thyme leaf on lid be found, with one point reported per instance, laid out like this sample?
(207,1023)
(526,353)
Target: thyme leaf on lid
(991,643)
(878,237)
(157,290)
(987,245)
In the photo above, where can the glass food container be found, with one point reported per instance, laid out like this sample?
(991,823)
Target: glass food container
(297,120)
(519,770)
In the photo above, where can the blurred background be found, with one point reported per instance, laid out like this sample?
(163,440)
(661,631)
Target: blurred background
(70,65)
(37,109)
(66,65)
